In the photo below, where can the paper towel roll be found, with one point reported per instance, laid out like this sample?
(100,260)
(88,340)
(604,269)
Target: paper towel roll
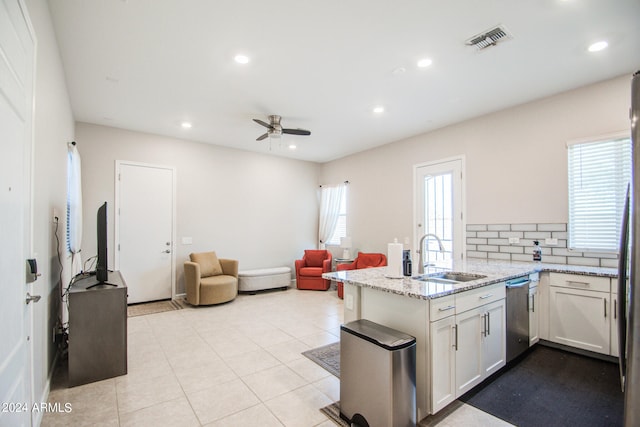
(394,260)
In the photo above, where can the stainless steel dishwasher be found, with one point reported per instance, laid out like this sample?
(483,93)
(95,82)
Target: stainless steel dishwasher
(517,316)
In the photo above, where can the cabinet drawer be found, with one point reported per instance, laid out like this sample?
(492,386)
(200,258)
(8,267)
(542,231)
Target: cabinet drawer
(578,281)
(480,296)
(439,308)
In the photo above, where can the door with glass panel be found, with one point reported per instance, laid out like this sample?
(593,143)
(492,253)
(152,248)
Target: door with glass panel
(439,211)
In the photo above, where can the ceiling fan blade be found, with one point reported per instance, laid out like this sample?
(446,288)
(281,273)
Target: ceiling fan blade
(261,137)
(265,124)
(296,131)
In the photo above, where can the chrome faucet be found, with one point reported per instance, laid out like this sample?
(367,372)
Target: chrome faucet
(421,250)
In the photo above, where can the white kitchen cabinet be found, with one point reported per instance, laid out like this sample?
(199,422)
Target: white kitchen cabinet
(443,362)
(469,365)
(494,350)
(467,347)
(534,314)
(580,318)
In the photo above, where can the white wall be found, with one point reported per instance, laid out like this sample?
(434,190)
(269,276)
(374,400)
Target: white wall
(515,164)
(257,208)
(53,128)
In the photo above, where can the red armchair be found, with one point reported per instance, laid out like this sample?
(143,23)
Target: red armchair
(362,261)
(309,270)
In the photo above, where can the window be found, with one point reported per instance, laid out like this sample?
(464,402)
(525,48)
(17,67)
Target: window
(341,226)
(599,172)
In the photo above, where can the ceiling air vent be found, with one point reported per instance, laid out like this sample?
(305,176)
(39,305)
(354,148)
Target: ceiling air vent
(489,38)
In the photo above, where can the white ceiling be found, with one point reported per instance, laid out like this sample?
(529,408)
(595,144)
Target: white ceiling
(148,65)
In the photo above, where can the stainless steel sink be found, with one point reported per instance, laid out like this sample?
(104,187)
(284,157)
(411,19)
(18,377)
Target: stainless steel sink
(450,277)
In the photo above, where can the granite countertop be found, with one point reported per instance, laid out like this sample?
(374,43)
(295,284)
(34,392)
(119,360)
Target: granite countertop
(494,270)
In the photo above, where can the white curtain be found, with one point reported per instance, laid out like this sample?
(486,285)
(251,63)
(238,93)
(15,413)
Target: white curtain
(330,199)
(74,208)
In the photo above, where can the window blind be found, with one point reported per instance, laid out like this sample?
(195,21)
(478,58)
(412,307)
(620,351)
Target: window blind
(599,172)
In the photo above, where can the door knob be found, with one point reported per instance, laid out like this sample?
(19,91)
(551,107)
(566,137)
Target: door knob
(167,251)
(34,298)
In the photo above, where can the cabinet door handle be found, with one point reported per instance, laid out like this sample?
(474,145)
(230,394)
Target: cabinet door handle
(488,323)
(486,296)
(533,301)
(573,282)
(455,341)
(615,308)
(605,307)
(450,307)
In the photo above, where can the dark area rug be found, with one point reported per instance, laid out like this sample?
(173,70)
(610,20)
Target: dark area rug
(327,356)
(550,387)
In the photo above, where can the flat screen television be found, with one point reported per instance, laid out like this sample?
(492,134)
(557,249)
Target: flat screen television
(102,262)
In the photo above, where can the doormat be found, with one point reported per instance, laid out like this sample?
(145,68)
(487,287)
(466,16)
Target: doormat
(333,413)
(153,307)
(552,387)
(327,356)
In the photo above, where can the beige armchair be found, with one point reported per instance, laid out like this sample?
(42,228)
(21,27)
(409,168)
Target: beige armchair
(209,279)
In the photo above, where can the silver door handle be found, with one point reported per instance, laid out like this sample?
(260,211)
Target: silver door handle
(489,323)
(167,251)
(455,343)
(34,298)
(449,307)
(486,296)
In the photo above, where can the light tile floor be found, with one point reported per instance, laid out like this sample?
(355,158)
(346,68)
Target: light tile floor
(236,364)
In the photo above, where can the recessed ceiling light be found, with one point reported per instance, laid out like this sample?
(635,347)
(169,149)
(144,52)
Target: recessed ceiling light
(292,146)
(424,62)
(379,109)
(186,125)
(598,46)
(241,59)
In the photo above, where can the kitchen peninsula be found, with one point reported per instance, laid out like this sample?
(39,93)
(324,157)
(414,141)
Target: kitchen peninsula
(460,326)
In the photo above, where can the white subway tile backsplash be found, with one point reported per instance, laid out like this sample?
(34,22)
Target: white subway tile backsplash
(488,248)
(537,234)
(498,241)
(521,257)
(498,255)
(476,227)
(595,262)
(492,241)
(487,234)
(512,249)
(476,241)
(498,227)
(552,227)
(507,234)
(611,263)
(524,227)
(476,254)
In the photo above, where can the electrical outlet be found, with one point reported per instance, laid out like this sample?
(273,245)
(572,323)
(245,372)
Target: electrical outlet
(551,241)
(513,240)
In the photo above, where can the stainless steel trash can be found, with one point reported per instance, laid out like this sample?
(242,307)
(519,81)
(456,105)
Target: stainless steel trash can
(377,375)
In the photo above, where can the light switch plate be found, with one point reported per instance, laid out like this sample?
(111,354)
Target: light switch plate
(348,302)
(187,240)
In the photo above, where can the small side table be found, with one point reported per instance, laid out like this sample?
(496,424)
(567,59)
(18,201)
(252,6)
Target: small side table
(339,286)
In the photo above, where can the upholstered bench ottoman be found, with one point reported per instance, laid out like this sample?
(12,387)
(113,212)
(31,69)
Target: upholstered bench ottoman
(264,278)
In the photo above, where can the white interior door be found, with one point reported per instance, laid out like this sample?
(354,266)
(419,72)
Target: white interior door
(144,230)
(16,105)
(439,208)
